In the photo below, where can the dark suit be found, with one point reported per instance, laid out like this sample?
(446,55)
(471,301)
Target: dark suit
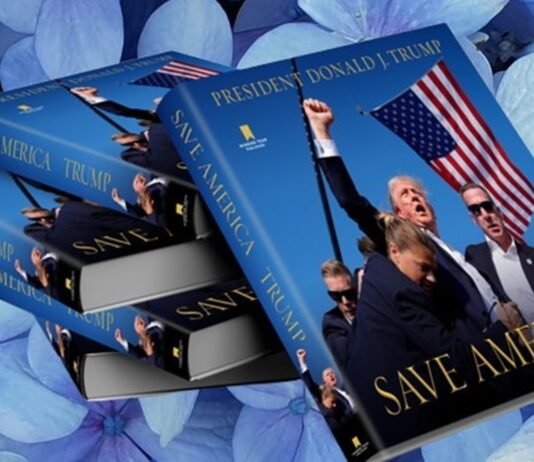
(156,335)
(398,328)
(479,256)
(343,406)
(161,155)
(459,301)
(336,332)
(82,222)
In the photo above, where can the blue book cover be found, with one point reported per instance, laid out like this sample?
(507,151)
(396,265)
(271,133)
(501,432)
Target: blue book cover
(92,257)
(294,160)
(95,134)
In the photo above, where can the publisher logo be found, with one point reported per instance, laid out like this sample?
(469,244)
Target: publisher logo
(247,132)
(25,109)
(359,447)
(251,141)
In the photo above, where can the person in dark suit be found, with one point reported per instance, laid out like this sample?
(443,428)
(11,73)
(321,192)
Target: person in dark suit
(152,148)
(466,300)
(79,223)
(150,345)
(398,331)
(333,414)
(161,203)
(45,275)
(344,403)
(63,346)
(337,322)
(508,264)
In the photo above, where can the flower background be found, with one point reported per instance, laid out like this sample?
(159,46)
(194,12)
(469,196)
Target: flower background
(42,415)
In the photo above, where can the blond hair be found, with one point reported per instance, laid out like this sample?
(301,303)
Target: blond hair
(403,233)
(332,268)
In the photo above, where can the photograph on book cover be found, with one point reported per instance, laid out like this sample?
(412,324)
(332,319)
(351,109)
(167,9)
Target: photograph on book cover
(117,153)
(412,336)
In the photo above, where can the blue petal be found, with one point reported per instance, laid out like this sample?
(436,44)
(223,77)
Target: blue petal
(166,415)
(72,37)
(263,435)
(13,321)
(255,14)
(519,447)
(198,28)
(475,443)
(365,19)
(7,38)
(516,97)
(21,16)
(47,366)
(345,17)
(31,412)
(11,457)
(20,67)
(478,60)
(207,436)
(268,396)
(287,41)
(317,441)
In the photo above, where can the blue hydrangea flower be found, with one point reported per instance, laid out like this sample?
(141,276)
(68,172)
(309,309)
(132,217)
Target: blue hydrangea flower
(515,94)
(474,443)
(347,21)
(281,422)
(518,447)
(198,28)
(43,412)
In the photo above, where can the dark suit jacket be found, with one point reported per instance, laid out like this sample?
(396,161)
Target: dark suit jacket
(119,109)
(342,405)
(479,256)
(398,328)
(83,222)
(459,302)
(336,332)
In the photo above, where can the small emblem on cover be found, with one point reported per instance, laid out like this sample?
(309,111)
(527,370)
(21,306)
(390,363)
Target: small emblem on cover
(176,352)
(247,133)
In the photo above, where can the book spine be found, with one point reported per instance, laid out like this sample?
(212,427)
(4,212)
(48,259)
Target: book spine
(77,169)
(116,329)
(234,213)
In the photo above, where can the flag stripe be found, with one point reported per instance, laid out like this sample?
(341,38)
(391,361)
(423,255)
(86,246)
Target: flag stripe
(495,143)
(189,67)
(436,118)
(485,140)
(462,164)
(477,165)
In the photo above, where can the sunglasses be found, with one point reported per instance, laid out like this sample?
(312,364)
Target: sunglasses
(350,294)
(476,209)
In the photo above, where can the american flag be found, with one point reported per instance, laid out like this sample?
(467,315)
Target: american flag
(437,119)
(173,73)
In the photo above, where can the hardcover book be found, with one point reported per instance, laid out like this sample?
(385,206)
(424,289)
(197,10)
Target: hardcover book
(415,339)
(97,136)
(177,335)
(91,257)
(101,373)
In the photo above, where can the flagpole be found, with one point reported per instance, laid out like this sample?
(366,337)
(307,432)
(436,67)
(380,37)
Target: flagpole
(318,176)
(108,119)
(25,191)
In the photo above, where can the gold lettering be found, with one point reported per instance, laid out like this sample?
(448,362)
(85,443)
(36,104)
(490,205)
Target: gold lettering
(389,396)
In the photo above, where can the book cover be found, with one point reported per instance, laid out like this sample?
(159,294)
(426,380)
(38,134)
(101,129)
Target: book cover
(102,373)
(96,134)
(92,257)
(423,341)
(175,333)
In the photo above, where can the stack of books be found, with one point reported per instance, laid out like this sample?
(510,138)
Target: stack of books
(178,213)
